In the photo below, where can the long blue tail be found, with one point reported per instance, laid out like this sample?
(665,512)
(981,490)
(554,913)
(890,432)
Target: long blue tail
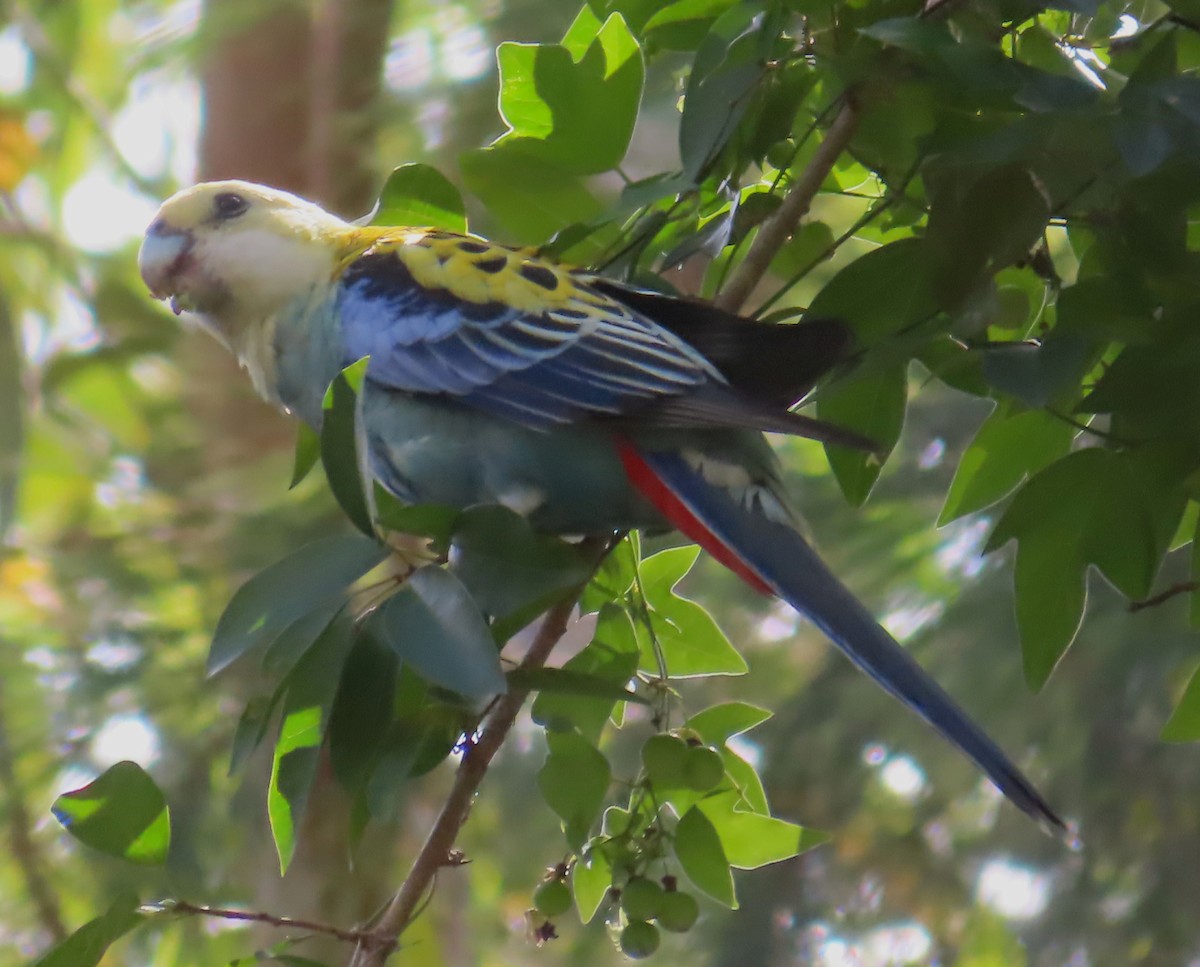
(783,561)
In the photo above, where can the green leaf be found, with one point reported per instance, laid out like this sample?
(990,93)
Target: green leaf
(692,643)
(435,521)
(1123,508)
(362,709)
(531,198)
(893,129)
(750,840)
(421,196)
(727,69)
(700,854)
(343,452)
(915,34)
(660,572)
(87,946)
(1039,374)
(1051,588)
(1194,610)
(719,723)
(574,782)
(422,735)
(591,876)
(746,781)
(291,644)
(980,223)
(506,566)
(567,681)
(1141,132)
(613,578)
(308,452)
(573,105)
(681,10)
(1101,308)
(1007,449)
(955,365)
(881,294)
(1117,511)
(251,729)
(434,625)
(310,690)
(873,405)
(289,589)
(1152,389)
(1184,723)
(121,812)
(612,657)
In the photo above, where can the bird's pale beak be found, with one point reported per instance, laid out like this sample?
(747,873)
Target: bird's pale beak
(162,257)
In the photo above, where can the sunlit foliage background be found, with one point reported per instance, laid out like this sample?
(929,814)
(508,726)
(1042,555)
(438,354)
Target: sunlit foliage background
(141,482)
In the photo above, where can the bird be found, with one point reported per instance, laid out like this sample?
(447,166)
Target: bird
(587,405)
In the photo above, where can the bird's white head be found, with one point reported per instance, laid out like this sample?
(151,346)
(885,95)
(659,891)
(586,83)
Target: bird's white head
(236,252)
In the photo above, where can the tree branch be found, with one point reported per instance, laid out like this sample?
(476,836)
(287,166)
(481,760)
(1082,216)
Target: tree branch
(223,913)
(863,221)
(1184,587)
(20,841)
(776,230)
(437,851)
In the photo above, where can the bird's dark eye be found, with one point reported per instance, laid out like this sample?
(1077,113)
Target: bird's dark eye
(229,205)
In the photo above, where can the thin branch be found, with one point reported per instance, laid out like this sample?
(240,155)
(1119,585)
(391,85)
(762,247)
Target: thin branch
(437,851)
(286,923)
(863,221)
(1184,587)
(20,840)
(809,131)
(1181,21)
(776,230)
(1092,430)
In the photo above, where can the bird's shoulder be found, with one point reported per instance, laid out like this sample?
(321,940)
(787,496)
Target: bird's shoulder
(469,269)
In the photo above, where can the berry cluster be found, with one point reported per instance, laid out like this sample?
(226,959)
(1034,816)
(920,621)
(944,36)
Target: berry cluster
(633,839)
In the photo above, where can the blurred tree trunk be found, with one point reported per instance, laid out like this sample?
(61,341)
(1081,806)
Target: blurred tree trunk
(291,100)
(291,93)
(256,75)
(349,41)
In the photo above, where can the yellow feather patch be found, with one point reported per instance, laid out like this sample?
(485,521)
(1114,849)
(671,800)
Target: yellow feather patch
(473,269)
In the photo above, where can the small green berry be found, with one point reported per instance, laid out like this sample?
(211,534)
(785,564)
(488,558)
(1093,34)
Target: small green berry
(618,854)
(641,898)
(639,940)
(703,768)
(663,757)
(678,912)
(781,154)
(552,898)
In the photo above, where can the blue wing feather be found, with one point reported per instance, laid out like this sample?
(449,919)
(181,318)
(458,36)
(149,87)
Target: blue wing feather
(593,357)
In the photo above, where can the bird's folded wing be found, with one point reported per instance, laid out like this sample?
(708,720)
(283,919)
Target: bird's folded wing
(506,334)
(528,341)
